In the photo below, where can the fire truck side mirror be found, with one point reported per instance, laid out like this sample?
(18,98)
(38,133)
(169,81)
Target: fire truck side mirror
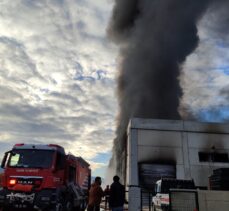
(3,164)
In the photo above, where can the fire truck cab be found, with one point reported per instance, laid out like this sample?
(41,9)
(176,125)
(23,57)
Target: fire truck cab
(43,177)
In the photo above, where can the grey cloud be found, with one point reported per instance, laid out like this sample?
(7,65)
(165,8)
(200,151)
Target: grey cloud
(225,93)
(203,80)
(65,97)
(46,45)
(16,51)
(105,105)
(32,128)
(5,92)
(98,133)
(218,13)
(23,111)
(80,25)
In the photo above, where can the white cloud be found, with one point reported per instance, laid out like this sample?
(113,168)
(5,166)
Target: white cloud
(204,76)
(57,73)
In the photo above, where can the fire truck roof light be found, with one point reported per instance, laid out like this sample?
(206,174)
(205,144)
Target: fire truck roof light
(54,145)
(19,145)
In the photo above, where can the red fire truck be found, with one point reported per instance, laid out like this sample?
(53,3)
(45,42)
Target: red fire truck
(43,177)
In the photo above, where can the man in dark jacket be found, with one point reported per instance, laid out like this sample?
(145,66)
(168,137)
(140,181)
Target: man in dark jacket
(117,195)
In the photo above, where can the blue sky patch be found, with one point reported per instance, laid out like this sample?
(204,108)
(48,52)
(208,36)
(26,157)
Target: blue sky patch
(220,114)
(224,69)
(102,157)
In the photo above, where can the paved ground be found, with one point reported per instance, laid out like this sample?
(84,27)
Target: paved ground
(103,208)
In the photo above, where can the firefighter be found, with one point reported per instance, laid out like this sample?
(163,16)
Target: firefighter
(95,195)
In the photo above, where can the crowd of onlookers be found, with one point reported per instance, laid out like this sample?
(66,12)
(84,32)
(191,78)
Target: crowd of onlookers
(114,195)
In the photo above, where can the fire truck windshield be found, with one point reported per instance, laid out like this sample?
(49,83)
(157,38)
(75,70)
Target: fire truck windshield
(27,158)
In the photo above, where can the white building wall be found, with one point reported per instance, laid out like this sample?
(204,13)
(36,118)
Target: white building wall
(213,200)
(178,141)
(132,174)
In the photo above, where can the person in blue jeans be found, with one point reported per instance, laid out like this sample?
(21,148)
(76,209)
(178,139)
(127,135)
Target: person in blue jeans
(117,195)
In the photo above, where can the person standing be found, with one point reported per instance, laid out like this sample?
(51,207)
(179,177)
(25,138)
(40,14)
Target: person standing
(107,195)
(95,195)
(117,195)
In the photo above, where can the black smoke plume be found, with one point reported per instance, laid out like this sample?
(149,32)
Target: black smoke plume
(155,37)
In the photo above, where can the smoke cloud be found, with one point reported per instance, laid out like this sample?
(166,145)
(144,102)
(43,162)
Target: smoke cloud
(155,37)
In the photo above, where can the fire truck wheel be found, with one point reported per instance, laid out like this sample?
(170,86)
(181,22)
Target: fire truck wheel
(69,206)
(82,207)
(59,207)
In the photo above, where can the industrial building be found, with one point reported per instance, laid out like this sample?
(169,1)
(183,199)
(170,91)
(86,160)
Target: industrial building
(180,149)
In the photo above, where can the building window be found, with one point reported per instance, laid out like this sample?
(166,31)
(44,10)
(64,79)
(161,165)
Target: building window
(213,157)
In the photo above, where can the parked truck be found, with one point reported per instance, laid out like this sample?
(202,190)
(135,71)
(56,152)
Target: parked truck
(161,201)
(44,177)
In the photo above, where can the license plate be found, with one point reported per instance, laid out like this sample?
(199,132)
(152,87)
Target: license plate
(20,206)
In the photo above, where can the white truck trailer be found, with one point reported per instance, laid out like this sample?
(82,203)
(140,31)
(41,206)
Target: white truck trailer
(176,149)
